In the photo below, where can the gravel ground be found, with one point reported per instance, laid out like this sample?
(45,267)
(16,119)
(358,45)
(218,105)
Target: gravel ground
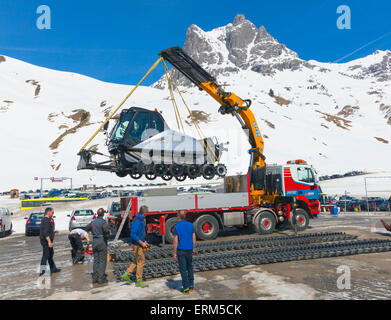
(308,279)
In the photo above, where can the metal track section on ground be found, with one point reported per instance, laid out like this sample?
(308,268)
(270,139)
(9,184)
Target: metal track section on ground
(119,255)
(234,259)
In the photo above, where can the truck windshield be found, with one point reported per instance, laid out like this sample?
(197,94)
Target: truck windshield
(305,175)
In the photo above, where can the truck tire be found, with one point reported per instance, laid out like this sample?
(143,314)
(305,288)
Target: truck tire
(302,219)
(265,223)
(206,227)
(170,224)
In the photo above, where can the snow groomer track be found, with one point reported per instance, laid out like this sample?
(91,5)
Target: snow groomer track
(253,251)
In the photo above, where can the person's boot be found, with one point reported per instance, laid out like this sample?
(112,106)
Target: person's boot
(141,284)
(185,291)
(126,277)
(103,281)
(55,270)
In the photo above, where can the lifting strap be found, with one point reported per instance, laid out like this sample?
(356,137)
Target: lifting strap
(174,104)
(192,118)
(120,105)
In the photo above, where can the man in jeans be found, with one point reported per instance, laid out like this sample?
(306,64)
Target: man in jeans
(137,237)
(184,244)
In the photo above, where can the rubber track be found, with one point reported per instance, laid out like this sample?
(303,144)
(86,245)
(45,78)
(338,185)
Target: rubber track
(239,244)
(162,268)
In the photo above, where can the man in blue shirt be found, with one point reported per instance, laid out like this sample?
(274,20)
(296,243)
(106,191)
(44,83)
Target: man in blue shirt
(184,244)
(138,234)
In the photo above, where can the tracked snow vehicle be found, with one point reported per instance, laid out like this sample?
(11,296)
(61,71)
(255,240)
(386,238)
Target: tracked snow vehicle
(141,143)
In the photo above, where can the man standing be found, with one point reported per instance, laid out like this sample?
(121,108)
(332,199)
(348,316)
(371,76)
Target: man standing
(137,238)
(101,232)
(76,238)
(46,236)
(184,244)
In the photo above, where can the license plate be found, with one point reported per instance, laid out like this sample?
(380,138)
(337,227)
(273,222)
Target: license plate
(38,222)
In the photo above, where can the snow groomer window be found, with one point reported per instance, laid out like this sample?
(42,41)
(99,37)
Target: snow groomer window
(157,123)
(139,126)
(121,126)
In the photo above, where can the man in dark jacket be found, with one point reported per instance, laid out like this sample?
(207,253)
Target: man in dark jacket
(46,236)
(101,232)
(138,239)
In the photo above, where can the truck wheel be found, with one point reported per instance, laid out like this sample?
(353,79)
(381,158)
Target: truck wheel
(206,227)
(208,171)
(170,224)
(121,174)
(221,170)
(265,223)
(302,219)
(193,171)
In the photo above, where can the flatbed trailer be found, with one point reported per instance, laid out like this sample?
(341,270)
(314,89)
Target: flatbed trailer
(212,212)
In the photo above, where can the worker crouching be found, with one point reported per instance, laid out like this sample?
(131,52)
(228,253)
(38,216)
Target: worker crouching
(138,239)
(76,238)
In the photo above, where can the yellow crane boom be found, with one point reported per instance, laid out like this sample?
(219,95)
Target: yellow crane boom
(230,104)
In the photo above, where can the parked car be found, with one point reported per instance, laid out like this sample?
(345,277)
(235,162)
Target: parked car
(384,206)
(5,222)
(80,218)
(365,204)
(33,223)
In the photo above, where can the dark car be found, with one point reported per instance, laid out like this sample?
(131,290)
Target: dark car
(367,205)
(384,206)
(33,223)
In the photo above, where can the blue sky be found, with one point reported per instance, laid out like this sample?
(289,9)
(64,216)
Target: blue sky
(118,41)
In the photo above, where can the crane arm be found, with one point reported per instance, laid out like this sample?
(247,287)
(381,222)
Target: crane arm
(230,102)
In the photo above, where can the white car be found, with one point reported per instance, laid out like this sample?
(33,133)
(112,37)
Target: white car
(5,222)
(80,218)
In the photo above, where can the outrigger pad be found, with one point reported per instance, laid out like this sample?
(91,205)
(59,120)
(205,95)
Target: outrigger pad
(84,162)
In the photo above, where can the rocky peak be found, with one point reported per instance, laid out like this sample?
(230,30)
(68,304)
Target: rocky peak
(237,46)
(376,65)
(239,19)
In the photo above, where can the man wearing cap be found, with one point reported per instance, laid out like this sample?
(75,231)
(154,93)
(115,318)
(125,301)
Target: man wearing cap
(101,232)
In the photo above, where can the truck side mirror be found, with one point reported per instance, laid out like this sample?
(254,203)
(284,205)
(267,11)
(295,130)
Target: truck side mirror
(12,213)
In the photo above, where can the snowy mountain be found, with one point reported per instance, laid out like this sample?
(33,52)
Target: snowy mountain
(336,116)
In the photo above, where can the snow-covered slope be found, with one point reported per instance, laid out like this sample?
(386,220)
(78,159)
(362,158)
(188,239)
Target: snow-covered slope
(336,116)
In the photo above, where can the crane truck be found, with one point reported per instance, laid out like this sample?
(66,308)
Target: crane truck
(264,198)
